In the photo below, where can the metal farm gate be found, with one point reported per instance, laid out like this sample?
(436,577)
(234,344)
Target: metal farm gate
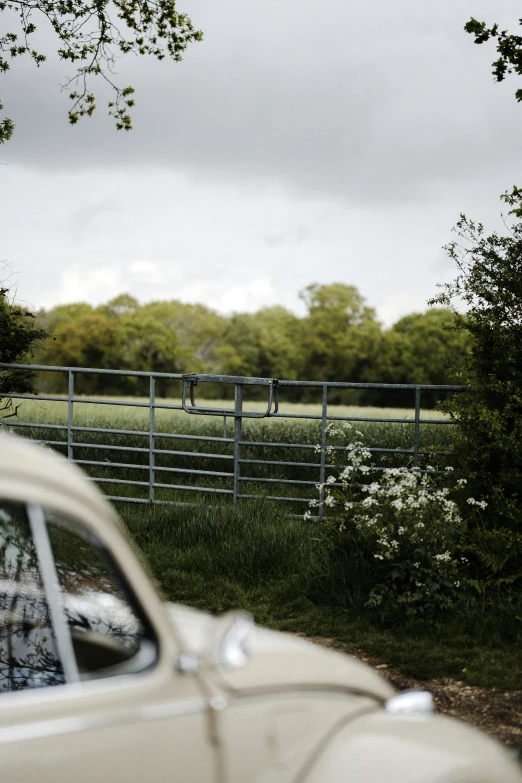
(153,450)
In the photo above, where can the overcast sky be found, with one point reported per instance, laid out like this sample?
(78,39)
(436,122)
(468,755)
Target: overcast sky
(298,143)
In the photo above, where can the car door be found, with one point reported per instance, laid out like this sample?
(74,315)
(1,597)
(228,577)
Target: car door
(88,687)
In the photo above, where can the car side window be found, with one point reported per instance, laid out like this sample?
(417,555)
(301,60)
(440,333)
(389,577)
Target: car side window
(28,652)
(109,634)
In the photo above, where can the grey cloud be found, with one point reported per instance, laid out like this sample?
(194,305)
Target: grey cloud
(366,103)
(84,216)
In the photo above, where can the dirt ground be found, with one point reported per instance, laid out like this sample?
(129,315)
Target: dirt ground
(496,712)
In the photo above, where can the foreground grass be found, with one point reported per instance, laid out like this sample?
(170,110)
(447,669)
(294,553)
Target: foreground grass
(283,570)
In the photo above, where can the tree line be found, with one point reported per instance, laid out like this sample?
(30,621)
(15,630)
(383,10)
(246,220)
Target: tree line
(338,339)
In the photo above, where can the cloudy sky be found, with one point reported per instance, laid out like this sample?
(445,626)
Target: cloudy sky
(299,142)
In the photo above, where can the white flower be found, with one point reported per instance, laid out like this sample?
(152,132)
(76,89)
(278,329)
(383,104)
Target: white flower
(330,480)
(479,503)
(329,500)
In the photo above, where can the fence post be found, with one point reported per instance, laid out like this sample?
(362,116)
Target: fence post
(322,469)
(152,424)
(238,409)
(416,442)
(70,415)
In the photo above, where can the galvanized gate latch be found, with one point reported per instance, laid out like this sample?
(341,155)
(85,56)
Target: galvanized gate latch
(191,380)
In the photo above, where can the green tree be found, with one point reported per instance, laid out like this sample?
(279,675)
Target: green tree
(169,337)
(341,333)
(489,414)
(420,348)
(91,37)
(18,337)
(196,330)
(266,344)
(509,49)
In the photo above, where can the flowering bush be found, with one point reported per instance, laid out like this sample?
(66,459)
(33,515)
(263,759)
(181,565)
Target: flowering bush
(404,525)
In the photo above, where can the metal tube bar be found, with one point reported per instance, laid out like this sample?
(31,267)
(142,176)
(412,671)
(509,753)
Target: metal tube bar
(179,436)
(277,481)
(157,433)
(111,431)
(194,454)
(417,428)
(196,489)
(232,378)
(131,466)
(70,415)
(118,481)
(238,408)
(273,443)
(285,464)
(38,426)
(193,472)
(104,447)
(322,469)
(95,463)
(277,497)
(151,438)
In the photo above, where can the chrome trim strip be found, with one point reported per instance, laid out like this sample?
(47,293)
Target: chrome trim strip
(305,692)
(53,591)
(63,726)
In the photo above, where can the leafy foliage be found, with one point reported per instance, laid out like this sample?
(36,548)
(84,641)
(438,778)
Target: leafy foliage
(420,348)
(509,49)
(93,36)
(489,414)
(18,335)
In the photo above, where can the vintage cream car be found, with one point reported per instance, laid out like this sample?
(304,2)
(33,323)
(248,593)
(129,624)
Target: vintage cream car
(100,681)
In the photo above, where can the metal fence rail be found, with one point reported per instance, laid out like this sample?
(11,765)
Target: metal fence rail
(164,464)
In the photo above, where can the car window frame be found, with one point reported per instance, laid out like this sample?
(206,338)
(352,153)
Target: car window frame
(53,592)
(38,523)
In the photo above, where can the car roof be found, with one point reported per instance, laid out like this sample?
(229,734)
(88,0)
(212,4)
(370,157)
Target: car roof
(26,463)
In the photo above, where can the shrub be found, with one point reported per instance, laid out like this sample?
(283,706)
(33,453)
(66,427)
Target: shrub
(489,413)
(405,528)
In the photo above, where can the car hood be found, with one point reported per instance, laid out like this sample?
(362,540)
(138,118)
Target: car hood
(278,661)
